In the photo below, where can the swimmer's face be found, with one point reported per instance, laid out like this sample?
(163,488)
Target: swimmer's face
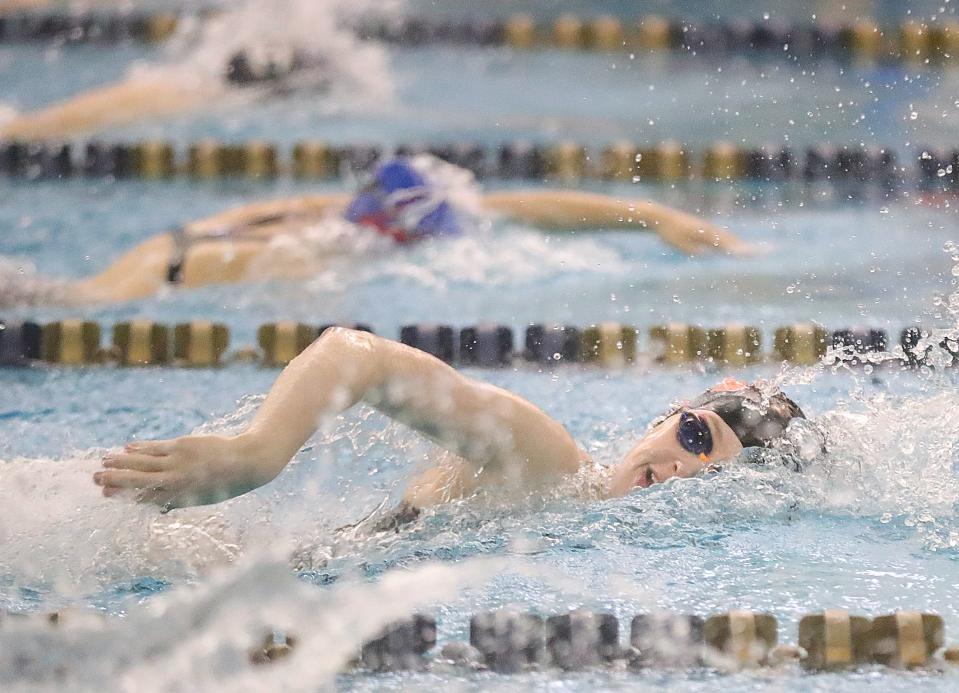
(659,456)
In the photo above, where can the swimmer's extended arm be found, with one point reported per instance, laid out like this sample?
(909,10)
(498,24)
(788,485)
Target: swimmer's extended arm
(307,205)
(490,428)
(566,210)
(117,104)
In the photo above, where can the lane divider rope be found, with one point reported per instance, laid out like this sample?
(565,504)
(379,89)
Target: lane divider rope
(508,641)
(928,168)
(205,344)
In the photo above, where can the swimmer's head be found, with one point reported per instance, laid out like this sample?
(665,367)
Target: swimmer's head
(708,430)
(405,203)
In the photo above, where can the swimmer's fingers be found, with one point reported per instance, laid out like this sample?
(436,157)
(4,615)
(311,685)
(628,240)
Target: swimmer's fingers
(681,242)
(124,478)
(136,461)
(147,488)
(151,447)
(721,240)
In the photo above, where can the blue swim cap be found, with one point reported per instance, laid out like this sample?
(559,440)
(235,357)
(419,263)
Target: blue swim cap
(401,203)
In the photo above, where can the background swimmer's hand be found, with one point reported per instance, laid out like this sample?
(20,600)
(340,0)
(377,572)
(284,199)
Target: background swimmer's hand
(693,236)
(193,470)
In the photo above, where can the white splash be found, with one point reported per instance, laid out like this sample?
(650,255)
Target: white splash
(452,183)
(484,256)
(20,285)
(201,637)
(353,72)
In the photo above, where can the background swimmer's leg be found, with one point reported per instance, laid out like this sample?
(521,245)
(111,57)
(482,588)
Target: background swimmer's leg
(118,104)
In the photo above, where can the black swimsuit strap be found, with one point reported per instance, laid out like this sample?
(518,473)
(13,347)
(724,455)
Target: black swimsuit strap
(181,244)
(183,240)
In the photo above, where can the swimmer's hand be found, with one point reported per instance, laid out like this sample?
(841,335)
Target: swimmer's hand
(192,470)
(694,236)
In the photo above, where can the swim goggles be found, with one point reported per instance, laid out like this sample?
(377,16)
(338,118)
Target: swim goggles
(694,436)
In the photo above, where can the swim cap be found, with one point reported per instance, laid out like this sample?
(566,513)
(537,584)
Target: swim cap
(403,204)
(755,418)
(758,419)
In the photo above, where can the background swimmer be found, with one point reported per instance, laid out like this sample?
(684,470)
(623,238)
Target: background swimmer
(494,437)
(258,49)
(406,200)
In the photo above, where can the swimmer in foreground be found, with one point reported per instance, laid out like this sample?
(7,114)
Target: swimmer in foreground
(407,200)
(492,437)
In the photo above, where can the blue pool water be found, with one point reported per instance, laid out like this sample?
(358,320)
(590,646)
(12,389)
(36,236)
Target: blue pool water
(873,528)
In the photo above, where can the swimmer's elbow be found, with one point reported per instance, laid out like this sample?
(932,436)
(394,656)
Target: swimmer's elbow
(343,339)
(355,355)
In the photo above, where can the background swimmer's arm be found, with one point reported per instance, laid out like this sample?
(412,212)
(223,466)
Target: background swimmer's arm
(318,205)
(566,210)
(11,6)
(488,427)
(117,104)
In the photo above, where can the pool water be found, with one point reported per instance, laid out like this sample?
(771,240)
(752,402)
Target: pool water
(872,528)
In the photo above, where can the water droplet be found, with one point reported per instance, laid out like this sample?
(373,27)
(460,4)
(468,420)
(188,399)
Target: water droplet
(791,289)
(913,115)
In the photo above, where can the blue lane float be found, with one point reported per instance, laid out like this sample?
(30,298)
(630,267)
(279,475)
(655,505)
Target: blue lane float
(20,343)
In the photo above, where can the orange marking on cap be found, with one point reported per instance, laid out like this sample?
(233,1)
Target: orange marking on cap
(729,385)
